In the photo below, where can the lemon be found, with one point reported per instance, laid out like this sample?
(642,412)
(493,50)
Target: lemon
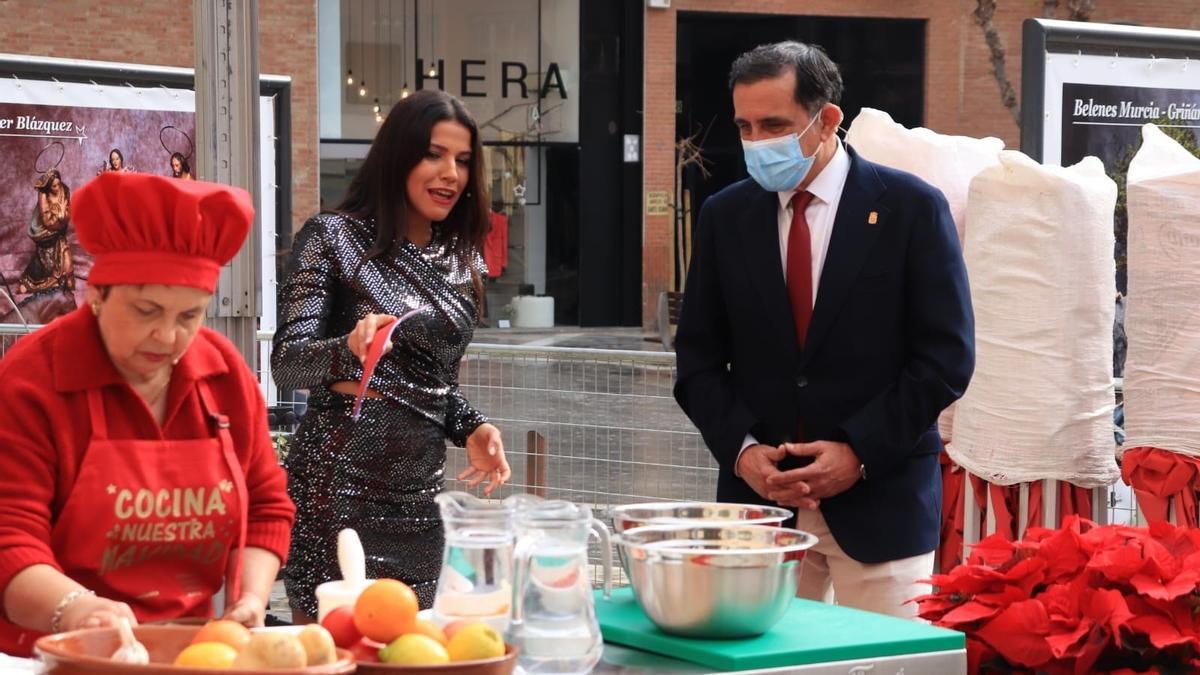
(477,641)
(207,655)
(414,649)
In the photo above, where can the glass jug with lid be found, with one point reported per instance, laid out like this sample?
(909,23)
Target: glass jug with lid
(553,616)
(476,578)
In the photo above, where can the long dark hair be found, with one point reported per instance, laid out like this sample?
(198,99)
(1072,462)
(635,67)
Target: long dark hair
(379,189)
(184,167)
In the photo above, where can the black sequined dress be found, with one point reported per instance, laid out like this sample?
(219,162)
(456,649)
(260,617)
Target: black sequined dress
(379,474)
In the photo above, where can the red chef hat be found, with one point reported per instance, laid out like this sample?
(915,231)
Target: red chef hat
(146,229)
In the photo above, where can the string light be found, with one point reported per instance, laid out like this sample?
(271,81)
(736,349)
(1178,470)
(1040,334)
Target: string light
(349,25)
(362,83)
(404,47)
(432,41)
(376,106)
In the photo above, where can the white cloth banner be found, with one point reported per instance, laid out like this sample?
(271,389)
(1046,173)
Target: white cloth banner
(946,162)
(1039,248)
(1162,319)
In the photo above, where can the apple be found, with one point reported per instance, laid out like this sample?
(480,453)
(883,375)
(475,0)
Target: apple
(340,624)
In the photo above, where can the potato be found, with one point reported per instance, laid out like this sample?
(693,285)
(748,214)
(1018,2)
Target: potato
(318,645)
(272,650)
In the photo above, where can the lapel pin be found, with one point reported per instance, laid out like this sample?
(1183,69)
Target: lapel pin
(873,218)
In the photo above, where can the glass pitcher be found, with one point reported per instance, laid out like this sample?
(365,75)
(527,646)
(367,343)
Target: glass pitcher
(553,618)
(476,579)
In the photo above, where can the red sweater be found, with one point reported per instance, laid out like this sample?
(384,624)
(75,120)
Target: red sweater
(44,430)
(495,245)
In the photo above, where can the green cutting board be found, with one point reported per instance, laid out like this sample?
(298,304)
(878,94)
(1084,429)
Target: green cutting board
(810,632)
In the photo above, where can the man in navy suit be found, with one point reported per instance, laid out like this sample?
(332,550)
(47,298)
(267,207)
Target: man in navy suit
(826,322)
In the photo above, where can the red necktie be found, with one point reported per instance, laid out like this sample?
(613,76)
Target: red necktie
(799,266)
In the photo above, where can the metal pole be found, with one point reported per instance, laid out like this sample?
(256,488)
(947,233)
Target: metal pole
(1050,504)
(535,467)
(1023,510)
(227,148)
(1100,505)
(970,516)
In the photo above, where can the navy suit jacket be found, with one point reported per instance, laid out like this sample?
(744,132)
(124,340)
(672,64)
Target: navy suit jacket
(891,343)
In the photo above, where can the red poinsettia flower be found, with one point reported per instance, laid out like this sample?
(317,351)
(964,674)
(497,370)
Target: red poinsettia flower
(1159,587)
(1079,599)
(1064,554)
(1160,631)
(1118,564)
(992,550)
(1018,633)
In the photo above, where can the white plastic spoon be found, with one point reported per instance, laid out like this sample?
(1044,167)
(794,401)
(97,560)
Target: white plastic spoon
(351,559)
(353,564)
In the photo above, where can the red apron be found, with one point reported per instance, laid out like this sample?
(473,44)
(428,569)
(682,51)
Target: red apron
(150,523)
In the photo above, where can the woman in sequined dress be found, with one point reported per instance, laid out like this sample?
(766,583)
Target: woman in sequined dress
(407,235)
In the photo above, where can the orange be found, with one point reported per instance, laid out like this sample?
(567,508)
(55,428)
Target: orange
(228,632)
(414,649)
(207,655)
(386,610)
(425,627)
(477,641)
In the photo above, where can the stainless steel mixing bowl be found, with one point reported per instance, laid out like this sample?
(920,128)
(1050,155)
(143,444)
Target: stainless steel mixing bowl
(667,513)
(714,581)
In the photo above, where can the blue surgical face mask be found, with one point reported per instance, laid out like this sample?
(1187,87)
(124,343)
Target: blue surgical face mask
(779,164)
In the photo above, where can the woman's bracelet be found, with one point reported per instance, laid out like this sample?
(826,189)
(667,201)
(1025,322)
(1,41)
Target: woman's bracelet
(56,616)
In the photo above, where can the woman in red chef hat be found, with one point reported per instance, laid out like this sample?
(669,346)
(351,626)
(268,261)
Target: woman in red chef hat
(136,473)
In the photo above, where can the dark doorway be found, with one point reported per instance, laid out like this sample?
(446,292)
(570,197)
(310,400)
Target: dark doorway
(562,232)
(610,194)
(882,63)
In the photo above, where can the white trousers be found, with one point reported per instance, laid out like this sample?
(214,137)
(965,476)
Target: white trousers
(829,575)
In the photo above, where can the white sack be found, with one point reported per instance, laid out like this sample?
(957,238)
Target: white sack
(946,162)
(1162,318)
(1039,250)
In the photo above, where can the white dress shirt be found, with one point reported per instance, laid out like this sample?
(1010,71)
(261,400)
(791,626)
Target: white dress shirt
(826,189)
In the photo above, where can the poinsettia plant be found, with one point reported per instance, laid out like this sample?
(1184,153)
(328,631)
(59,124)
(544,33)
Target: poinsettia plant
(1079,599)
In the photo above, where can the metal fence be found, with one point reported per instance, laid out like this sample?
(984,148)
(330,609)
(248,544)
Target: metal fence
(598,427)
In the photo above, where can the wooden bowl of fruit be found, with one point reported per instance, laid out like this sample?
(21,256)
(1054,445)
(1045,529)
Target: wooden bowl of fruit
(385,634)
(502,665)
(219,647)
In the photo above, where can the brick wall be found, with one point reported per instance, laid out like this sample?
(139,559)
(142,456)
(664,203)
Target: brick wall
(961,95)
(159,32)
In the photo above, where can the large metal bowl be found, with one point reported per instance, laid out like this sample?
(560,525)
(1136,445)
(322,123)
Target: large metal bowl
(629,516)
(714,581)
